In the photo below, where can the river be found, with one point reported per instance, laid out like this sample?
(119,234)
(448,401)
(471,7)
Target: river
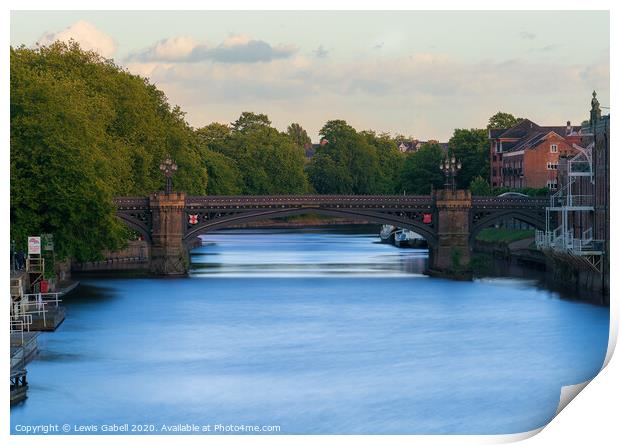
(316,331)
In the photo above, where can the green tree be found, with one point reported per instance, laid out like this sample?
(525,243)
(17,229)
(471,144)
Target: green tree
(503,120)
(250,121)
(471,147)
(357,161)
(421,170)
(60,180)
(83,130)
(390,161)
(329,177)
(480,187)
(224,176)
(298,134)
(267,160)
(213,135)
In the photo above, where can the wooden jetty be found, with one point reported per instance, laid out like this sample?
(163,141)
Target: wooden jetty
(19,386)
(29,313)
(44,309)
(24,347)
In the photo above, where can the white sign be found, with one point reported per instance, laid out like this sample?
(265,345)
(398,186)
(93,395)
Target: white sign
(34,245)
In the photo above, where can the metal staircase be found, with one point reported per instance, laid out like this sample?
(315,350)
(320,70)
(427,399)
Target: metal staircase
(574,201)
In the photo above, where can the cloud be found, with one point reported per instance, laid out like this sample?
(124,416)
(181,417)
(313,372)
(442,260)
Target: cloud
(241,49)
(320,52)
(378,46)
(527,35)
(547,48)
(423,94)
(175,48)
(86,34)
(235,49)
(419,75)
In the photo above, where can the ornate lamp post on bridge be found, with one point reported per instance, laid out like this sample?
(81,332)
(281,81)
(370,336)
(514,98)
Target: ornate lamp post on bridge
(168,166)
(450,167)
(168,253)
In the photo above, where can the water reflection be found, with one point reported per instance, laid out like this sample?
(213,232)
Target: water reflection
(303,253)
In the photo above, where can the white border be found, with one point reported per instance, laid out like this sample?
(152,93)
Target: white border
(591,419)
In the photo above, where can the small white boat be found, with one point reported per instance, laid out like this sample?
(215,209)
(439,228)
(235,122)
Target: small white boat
(401,237)
(386,232)
(406,238)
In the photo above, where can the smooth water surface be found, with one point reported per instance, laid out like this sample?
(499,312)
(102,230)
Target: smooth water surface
(316,331)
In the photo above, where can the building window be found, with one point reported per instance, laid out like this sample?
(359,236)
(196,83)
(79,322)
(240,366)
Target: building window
(554,148)
(552,165)
(552,184)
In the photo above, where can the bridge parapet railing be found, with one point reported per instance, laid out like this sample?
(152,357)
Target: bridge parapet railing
(132,202)
(499,202)
(308,199)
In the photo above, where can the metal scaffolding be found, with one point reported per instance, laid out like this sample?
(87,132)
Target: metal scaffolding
(570,212)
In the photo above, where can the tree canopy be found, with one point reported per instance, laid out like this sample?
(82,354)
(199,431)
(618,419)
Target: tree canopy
(254,157)
(249,121)
(298,134)
(480,187)
(421,170)
(471,147)
(359,163)
(502,120)
(83,130)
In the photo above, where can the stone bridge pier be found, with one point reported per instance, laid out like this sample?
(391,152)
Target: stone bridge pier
(451,254)
(168,254)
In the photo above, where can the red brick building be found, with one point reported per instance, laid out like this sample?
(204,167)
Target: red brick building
(526,155)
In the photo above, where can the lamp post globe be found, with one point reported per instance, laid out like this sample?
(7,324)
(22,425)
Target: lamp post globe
(168,167)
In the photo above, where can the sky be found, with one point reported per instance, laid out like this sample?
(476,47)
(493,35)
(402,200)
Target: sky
(417,73)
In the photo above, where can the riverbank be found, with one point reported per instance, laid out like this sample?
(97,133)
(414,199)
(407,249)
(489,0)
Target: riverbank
(515,254)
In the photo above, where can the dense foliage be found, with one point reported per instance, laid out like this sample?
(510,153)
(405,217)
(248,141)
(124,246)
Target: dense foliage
(352,162)
(298,134)
(254,158)
(502,120)
(421,172)
(471,147)
(480,187)
(82,131)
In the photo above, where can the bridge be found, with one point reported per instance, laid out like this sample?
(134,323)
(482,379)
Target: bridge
(449,220)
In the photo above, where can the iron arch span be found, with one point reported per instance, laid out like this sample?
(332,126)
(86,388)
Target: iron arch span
(224,222)
(139,227)
(537,220)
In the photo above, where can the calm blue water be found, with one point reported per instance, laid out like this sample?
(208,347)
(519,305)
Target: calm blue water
(317,331)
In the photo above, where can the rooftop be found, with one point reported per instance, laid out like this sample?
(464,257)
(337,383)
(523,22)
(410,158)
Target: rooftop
(528,134)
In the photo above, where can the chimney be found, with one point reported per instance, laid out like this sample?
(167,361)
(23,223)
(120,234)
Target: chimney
(569,128)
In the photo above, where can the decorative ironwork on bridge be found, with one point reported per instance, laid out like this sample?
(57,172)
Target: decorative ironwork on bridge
(168,166)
